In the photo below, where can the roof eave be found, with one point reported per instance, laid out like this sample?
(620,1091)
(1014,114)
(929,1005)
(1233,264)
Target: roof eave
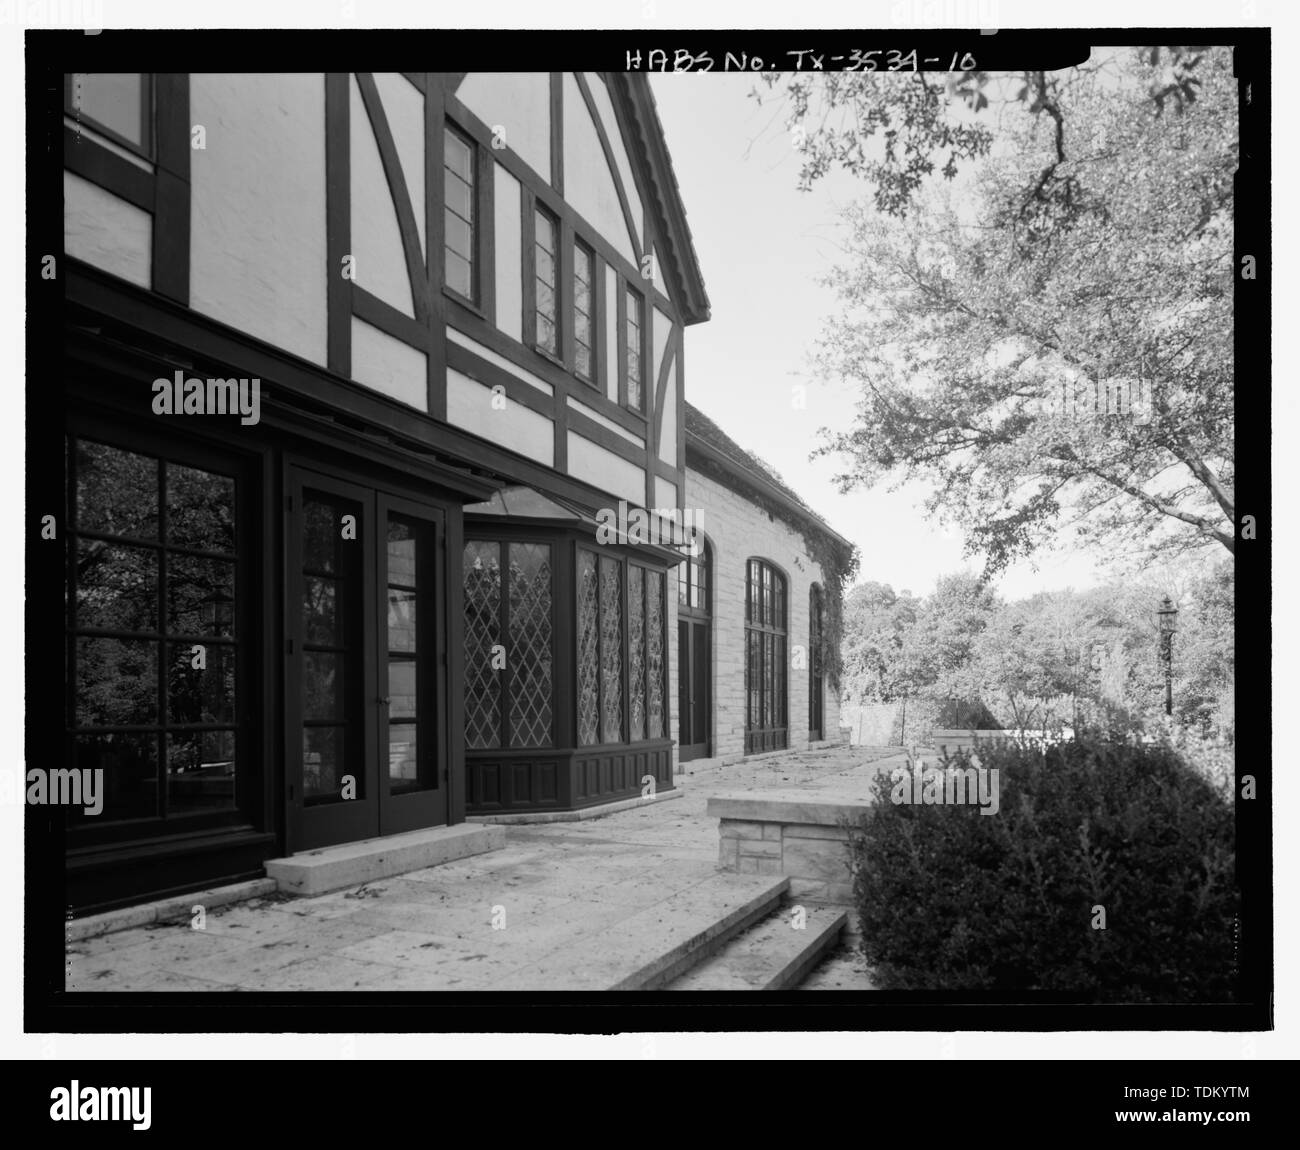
(704,449)
(680,256)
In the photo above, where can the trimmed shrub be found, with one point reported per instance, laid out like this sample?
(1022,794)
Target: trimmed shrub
(952,899)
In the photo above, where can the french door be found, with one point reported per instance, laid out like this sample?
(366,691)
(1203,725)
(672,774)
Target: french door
(365,679)
(693,703)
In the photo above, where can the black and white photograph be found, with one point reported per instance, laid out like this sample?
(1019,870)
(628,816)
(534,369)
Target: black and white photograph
(753,519)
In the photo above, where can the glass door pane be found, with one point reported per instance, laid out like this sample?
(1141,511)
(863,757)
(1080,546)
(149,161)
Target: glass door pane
(332,678)
(409,655)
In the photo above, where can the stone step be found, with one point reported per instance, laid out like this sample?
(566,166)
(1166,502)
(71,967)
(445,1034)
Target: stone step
(649,949)
(771,955)
(350,864)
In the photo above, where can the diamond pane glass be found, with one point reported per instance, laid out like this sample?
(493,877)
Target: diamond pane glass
(530,645)
(636,652)
(654,616)
(588,650)
(482,572)
(611,650)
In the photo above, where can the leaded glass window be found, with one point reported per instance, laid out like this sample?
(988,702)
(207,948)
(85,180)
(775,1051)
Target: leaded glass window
(636,648)
(654,615)
(529,655)
(611,650)
(588,650)
(518,668)
(482,573)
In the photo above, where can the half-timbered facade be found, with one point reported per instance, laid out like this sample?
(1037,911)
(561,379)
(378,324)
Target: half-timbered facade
(354,363)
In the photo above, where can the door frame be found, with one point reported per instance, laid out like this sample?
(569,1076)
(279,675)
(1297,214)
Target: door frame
(701,617)
(687,752)
(327,825)
(380,813)
(415,810)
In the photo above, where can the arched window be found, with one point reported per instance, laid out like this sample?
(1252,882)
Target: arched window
(766,695)
(816,663)
(694,655)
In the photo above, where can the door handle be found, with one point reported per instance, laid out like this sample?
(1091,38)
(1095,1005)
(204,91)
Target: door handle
(383,700)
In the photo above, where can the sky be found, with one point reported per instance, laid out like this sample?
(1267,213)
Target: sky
(762,245)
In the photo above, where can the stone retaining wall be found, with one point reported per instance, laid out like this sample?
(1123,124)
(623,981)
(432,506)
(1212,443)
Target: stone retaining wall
(797,833)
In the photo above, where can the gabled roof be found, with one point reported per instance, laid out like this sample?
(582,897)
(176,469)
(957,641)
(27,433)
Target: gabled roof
(710,445)
(678,258)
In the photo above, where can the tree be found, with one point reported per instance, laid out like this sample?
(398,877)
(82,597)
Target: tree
(1051,348)
(893,129)
(1204,666)
(876,622)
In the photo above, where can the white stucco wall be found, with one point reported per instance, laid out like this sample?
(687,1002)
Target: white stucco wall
(605,109)
(508,242)
(602,468)
(376,237)
(469,405)
(106,231)
(390,365)
(404,109)
(588,179)
(518,105)
(257,235)
(668,421)
(258,217)
(610,363)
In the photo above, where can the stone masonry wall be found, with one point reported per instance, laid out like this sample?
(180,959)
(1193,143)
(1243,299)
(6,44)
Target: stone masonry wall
(738,530)
(814,858)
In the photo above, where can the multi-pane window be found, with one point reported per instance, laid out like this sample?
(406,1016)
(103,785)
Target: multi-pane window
(509,685)
(693,581)
(816,662)
(332,645)
(584,324)
(458,243)
(765,658)
(619,603)
(153,632)
(545,276)
(116,103)
(635,355)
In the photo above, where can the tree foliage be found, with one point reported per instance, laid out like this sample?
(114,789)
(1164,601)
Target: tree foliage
(1048,341)
(1055,658)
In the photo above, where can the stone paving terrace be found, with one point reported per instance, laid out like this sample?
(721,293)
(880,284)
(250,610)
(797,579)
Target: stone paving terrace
(583,903)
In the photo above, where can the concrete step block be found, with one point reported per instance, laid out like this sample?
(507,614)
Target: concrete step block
(653,946)
(771,955)
(350,864)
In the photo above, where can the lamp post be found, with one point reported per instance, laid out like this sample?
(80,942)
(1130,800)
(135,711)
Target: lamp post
(1167,615)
